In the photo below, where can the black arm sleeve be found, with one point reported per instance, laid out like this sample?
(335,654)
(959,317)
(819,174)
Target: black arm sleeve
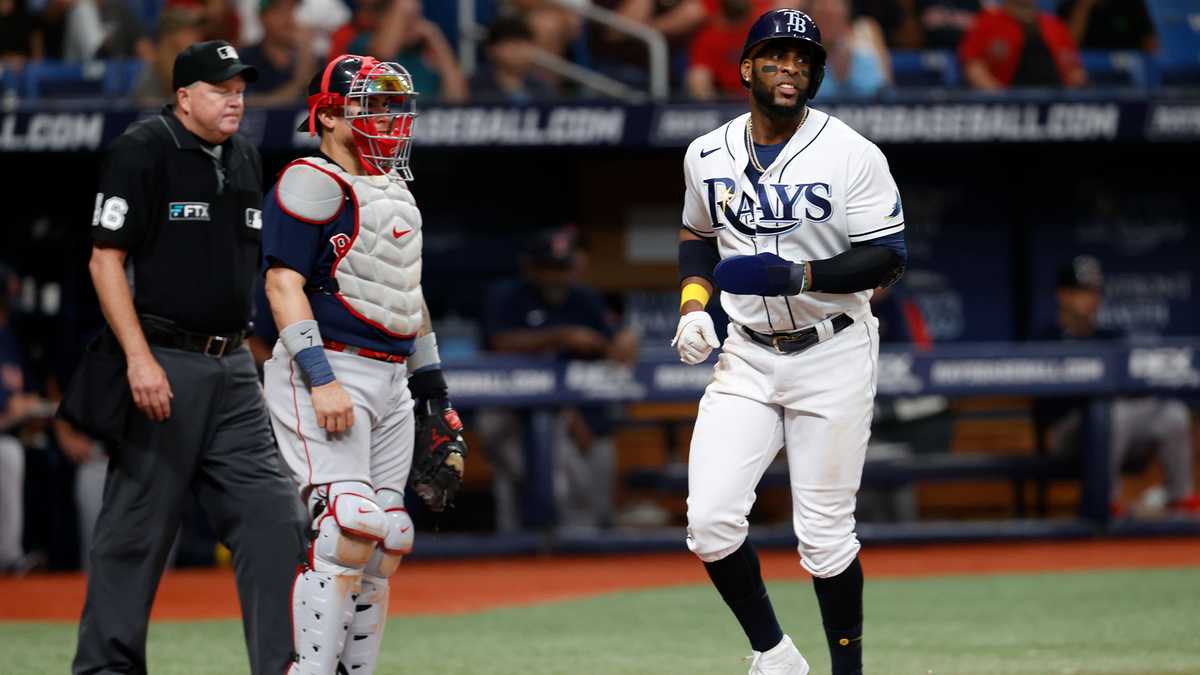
(859,269)
(697,258)
(429,386)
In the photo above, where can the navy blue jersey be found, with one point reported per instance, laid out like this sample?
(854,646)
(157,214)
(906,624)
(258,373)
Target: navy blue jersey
(518,305)
(310,251)
(12,366)
(1049,410)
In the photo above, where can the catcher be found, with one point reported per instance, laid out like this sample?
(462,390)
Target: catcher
(342,254)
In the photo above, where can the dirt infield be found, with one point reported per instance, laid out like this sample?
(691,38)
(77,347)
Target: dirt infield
(452,587)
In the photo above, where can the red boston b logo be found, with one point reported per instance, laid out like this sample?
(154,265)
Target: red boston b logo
(341,244)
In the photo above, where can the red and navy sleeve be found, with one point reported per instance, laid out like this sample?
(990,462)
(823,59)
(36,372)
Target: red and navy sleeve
(289,241)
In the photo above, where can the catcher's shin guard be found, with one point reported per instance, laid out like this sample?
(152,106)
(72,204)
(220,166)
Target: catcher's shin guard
(361,652)
(365,636)
(348,525)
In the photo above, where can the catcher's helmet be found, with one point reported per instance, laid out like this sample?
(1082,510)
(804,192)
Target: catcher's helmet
(330,82)
(788,24)
(377,99)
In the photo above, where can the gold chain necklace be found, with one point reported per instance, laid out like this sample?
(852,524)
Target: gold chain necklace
(750,140)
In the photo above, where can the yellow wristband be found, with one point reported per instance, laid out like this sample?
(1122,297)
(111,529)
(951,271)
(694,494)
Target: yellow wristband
(693,291)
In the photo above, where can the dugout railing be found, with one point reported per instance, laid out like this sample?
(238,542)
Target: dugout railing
(1099,370)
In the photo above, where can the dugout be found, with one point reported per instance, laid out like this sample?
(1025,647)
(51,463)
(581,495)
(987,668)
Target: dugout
(998,194)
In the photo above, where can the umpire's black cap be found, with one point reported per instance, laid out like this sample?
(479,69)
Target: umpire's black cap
(213,61)
(1082,272)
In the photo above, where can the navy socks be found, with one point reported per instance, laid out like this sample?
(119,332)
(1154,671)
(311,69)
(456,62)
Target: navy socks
(841,601)
(738,578)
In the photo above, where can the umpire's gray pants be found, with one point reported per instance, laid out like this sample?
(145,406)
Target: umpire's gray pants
(217,445)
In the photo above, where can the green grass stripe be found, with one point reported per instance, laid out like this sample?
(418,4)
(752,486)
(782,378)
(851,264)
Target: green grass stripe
(1144,622)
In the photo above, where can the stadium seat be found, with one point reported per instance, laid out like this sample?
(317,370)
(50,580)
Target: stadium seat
(10,80)
(64,80)
(121,76)
(1115,68)
(148,11)
(1177,23)
(929,68)
(445,15)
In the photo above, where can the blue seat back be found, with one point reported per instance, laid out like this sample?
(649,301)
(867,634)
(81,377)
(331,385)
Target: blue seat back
(1177,23)
(1115,68)
(59,79)
(924,68)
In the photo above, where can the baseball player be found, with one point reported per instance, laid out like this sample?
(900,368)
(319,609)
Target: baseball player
(342,252)
(796,218)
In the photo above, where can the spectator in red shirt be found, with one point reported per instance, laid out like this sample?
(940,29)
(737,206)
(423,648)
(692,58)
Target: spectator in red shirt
(1017,45)
(717,48)
(366,18)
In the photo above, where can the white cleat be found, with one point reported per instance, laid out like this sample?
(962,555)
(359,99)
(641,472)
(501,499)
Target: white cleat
(782,659)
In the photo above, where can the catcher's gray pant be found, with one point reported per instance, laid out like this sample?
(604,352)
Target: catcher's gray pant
(12,499)
(216,444)
(583,478)
(377,449)
(1164,424)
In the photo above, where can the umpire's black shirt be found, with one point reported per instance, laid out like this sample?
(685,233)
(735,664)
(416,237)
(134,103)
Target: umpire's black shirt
(188,214)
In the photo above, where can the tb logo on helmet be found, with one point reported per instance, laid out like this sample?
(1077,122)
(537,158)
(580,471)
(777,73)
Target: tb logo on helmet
(795,21)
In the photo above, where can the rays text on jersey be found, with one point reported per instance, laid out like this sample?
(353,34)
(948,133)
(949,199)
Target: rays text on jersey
(772,209)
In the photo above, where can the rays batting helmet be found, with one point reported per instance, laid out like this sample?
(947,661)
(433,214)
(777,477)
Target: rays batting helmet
(788,24)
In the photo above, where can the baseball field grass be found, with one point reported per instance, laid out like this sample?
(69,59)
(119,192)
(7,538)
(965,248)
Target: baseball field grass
(1140,622)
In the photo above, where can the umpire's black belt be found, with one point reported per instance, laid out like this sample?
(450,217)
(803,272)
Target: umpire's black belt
(163,333)
(791,343)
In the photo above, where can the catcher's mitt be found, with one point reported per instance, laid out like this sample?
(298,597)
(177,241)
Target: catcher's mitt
(439,454)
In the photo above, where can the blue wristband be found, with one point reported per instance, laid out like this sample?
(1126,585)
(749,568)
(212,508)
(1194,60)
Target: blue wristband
(315,366)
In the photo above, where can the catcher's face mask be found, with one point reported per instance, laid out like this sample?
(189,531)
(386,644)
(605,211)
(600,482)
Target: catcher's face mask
(380,108)
(377,101)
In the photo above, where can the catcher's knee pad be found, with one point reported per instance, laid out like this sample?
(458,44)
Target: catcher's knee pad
(713,533)
(399,539)
(348,526)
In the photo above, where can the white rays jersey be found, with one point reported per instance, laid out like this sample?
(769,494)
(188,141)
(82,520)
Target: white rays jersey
(829,188)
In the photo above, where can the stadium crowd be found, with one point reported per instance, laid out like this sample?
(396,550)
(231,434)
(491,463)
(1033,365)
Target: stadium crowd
(873,45)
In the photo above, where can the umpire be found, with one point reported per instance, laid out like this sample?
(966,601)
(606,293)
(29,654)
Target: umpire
(179,197)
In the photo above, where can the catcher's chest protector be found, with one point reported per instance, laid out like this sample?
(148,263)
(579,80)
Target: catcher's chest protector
(378,270)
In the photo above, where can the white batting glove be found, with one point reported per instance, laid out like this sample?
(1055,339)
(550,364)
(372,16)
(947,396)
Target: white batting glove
(695,337)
